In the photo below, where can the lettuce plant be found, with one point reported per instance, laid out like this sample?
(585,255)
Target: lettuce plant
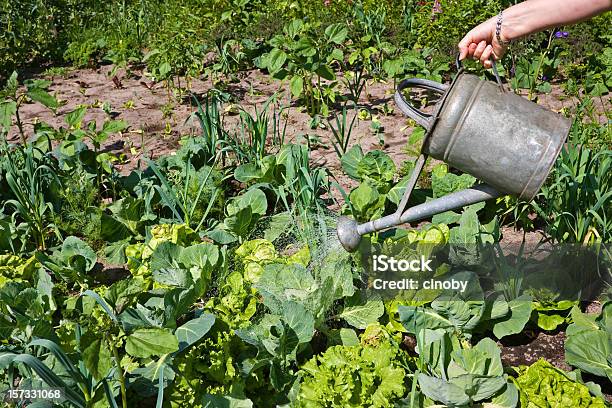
(543,385)
(354,376)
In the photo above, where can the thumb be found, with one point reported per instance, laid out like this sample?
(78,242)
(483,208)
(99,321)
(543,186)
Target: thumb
(464,45)
(462,52)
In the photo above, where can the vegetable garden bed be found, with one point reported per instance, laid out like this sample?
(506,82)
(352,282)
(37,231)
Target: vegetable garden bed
(167,237)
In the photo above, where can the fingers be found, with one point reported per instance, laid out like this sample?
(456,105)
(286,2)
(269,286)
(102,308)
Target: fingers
(486,55)
(471,49)
(480,49)
(483,52)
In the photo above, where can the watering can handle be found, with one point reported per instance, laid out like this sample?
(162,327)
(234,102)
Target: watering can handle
(422,118)
(459,66)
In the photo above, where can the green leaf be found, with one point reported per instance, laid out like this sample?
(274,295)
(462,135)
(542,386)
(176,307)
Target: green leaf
(509,398)
(367,203)
(173,277)
(107,309)
(449,183)
(336,33)
(114,126)
(78,255)
(336,55)
(348,337)
(396,193)
(75,118)
(581,322)
(300,320)
(417,317)
(468,229)
(221,237)
(165,256)
(549,321)
(240,222)
(278,224)
(164,69)
(377,166)
(350,162)
(247,172)
(360,316)
(591,351)
(137,318)
(225,401)
(306,47)
(296,85)
(44,97)
(276,59)
(254,198)
(544,385)
(204,256)
(11,83)
(515,321)
(293,28)
(325,72)
(443,391)
(151,342)
(7,110)
(192,331)
(96,354)
(120,293)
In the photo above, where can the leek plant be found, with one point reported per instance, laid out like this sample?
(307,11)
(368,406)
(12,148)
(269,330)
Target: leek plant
(31,177)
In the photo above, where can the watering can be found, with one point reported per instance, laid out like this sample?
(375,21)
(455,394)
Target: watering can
(476,126)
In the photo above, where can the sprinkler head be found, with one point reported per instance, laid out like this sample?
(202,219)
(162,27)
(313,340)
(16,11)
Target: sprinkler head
(347,233)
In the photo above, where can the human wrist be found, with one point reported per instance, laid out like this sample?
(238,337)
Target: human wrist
(514,25)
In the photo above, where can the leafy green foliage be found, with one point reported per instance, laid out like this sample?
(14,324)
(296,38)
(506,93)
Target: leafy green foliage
(356,375)
(32,180)
(72,263)
(576,201)
(542,384)
(459,376)
(305,59)
(588,342)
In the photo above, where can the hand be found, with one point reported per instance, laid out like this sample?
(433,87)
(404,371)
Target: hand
(481,44)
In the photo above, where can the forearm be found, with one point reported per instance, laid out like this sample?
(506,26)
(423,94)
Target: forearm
(536,15)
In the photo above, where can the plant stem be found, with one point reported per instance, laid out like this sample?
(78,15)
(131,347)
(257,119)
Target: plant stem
(119,372)
(19,124)
(541,60)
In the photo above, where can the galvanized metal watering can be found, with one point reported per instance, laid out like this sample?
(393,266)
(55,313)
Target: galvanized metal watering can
(502,139)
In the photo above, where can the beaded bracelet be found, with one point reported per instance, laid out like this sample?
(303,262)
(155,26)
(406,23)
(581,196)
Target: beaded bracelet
(498,30)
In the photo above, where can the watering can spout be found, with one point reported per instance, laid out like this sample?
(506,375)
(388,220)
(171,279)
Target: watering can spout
(350,232)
